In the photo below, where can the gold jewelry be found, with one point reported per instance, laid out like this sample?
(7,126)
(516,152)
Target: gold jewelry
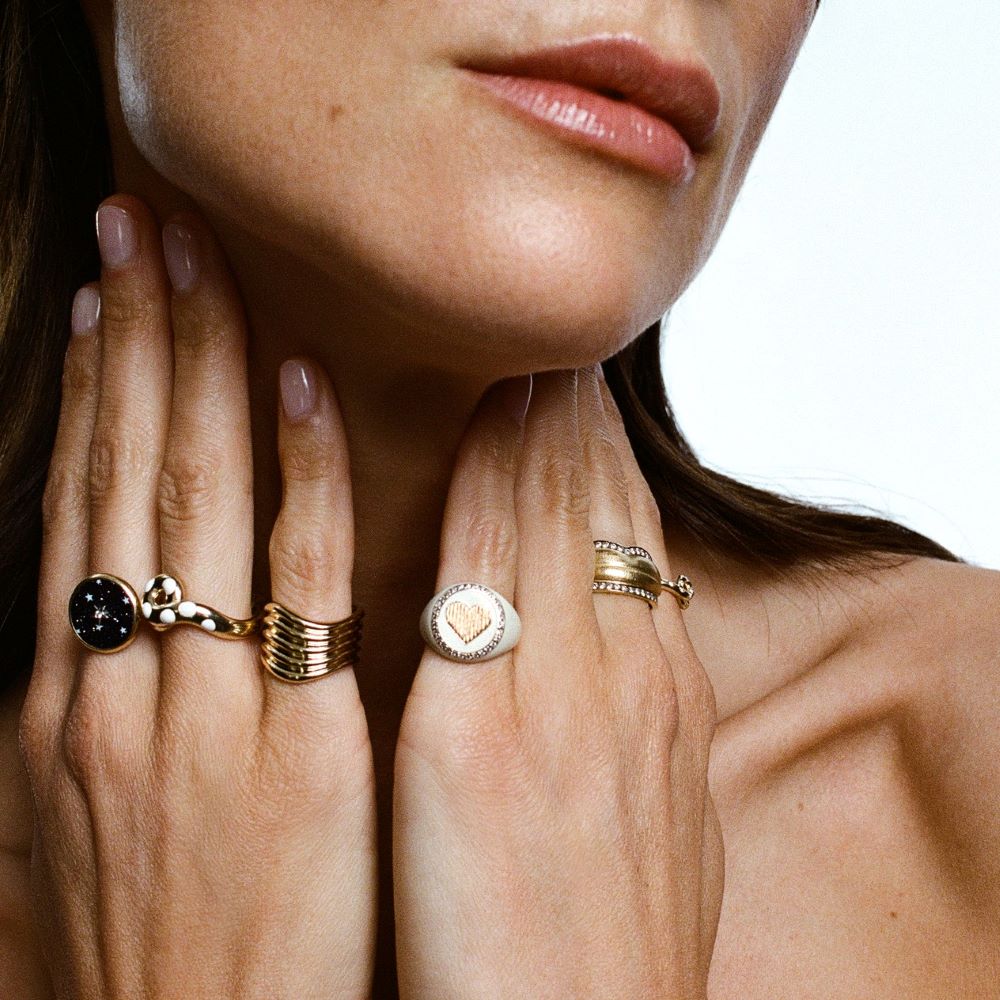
(630,570)
(682,589)
(296,649)
(163,606)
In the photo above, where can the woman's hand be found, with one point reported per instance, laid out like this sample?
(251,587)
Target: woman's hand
(553,830)
(202,829)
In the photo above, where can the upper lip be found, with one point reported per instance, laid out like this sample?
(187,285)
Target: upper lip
(682,92)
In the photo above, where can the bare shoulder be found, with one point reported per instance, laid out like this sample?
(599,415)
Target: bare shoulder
(930,597)
(860,799)
(939,629)
(22,972)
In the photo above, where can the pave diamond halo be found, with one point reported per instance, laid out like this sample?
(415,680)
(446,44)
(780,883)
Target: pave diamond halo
(469,622)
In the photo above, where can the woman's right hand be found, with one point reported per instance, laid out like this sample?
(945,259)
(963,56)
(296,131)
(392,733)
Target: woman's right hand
(202,829)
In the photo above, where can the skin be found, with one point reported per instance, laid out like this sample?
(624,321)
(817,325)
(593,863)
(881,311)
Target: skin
(416,267)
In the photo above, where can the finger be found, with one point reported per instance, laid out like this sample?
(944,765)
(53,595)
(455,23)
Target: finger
(555,566)
(134,402)
(311,554)
(479,539)
(130,429)
(623,617)
(66,506)
(647,521)
(205,495)
(693,686)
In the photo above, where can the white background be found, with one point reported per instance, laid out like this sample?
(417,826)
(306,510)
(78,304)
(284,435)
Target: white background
(843,341)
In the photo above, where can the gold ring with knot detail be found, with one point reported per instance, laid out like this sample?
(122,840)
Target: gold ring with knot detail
(630,570)
(163,606)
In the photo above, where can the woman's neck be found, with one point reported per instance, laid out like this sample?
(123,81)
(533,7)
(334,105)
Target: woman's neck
(404,413)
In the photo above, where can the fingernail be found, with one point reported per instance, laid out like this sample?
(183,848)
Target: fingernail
(180,250)
(117,238)
(516,393)
(298,388)
(86,310)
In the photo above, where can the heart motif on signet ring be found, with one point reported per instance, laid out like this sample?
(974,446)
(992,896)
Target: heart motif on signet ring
(468,620)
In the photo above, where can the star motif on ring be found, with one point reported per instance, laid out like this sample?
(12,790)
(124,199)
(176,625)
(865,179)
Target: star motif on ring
(102,612)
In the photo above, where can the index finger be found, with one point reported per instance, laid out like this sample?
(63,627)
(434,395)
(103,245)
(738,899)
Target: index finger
(66,504)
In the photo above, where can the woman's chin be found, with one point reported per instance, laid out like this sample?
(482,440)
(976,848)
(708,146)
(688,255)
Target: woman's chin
(524,316)
(528,297)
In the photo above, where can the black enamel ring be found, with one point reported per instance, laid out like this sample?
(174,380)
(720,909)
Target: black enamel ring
(104,612)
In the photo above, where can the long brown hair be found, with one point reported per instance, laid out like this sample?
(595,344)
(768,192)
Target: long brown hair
(55,167)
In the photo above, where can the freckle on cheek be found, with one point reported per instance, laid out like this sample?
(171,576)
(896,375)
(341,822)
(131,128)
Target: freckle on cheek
(336,110)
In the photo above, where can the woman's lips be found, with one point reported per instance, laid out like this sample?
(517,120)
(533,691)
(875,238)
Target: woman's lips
(625,130)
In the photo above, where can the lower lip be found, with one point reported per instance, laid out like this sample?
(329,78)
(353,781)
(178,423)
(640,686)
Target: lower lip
(590,119)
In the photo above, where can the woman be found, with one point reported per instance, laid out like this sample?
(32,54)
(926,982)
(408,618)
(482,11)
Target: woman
(361,275)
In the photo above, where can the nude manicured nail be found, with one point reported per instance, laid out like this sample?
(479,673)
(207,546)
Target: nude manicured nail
(298,389)
(180,251)
(117,237)
(86,310)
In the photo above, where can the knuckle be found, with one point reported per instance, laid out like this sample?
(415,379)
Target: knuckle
(118,462)
(66,495)
(599,448)
(81,377)
(559,485)
(497,452)
(704,708)
(123,312)
(90,750)
(35,728)
(301,463)
(646,507)
(651,698)
(207,333)
(618,493)
(300,756)
(306,559)
(668,708)
(188,485)
(479,750)
(489,537)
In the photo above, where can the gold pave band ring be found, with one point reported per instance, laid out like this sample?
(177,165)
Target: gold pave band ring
(296,649)
(630,570)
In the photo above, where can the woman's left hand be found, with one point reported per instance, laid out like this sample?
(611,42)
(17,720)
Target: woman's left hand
(554,835)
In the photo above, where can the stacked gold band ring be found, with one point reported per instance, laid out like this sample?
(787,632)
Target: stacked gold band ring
(630,570)
(296,649)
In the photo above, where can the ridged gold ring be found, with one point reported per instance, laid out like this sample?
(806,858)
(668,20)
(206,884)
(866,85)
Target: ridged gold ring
(297,649)
(630,570)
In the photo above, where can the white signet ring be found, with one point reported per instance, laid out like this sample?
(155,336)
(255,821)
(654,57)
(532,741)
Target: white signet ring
(468,622)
